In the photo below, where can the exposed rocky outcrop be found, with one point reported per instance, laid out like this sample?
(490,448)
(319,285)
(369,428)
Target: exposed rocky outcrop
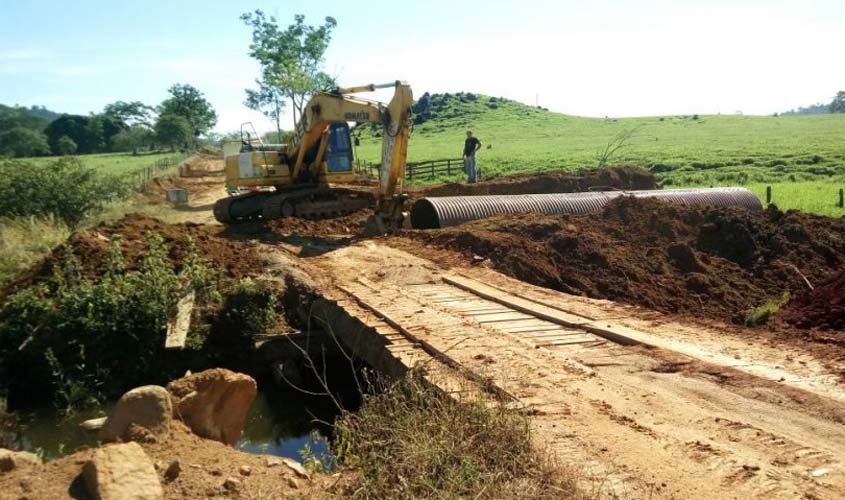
(214,403)
(148,406)
(121,472)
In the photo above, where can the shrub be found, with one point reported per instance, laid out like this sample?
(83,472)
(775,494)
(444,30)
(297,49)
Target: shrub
(760,315)
(64,189)
(65,146)
(80,341)
(409,440)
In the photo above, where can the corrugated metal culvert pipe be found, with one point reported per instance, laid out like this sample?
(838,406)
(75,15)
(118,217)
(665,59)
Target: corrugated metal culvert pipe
(430,213)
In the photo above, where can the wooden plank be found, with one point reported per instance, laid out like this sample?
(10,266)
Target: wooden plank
(518,303)
(430,349)
(180,323)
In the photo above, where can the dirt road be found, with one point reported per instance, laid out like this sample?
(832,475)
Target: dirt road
(647,405)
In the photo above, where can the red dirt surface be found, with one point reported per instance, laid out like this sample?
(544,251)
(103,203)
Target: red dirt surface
(822,308)
(712,263)
(555,181)
(351,225)
(204,467)
(233,258)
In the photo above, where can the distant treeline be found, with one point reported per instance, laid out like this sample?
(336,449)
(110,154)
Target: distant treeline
(835,106)
(121,126)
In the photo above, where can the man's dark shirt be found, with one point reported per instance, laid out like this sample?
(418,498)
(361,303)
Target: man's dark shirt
(470,145)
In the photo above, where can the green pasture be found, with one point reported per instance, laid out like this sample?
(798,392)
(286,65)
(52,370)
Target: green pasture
(114,164)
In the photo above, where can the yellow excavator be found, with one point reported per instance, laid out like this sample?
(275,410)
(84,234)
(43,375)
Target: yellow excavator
(305,177)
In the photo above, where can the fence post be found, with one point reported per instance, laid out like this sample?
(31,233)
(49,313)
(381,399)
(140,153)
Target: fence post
(448,167)
(841,198)
(768,195)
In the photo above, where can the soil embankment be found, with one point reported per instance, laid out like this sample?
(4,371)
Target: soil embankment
(711,263)
(555,181)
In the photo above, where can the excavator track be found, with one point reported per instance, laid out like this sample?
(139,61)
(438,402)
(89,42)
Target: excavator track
(312,203)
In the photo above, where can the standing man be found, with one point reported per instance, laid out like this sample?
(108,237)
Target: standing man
(471,145)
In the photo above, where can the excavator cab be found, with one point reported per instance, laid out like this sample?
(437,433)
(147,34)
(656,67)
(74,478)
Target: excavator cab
(339,151)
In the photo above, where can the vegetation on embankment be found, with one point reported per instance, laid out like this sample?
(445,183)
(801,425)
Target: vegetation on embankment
(409,440)
(90,322)
(680,150)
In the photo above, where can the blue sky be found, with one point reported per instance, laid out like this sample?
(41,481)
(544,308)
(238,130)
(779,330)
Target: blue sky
(593,58)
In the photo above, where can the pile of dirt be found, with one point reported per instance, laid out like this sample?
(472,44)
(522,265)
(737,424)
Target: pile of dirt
(822,308)
(553,181)
(203,468)
(232,257)
(347,225)
(708,262)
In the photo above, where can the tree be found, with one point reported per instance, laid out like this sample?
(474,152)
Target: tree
(88,136)
(132,139)
(22,141)
(130,113)
(106,127)
(291,59)
(173,130)
(838,104)
(188,102)
(268,100)
(65,146)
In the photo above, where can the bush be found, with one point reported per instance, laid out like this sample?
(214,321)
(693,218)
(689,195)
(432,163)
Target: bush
(65,146)
(78,341)
(760,315)
(21,141)
(64,189)
(412,441)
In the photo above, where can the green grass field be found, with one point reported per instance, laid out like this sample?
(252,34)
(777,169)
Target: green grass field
(115,163)
(802,156)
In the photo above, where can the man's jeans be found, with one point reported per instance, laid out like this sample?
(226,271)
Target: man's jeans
(469,168)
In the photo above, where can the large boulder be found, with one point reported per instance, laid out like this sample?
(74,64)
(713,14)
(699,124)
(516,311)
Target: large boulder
(148,406)
(121,472)
(11,460)
(214,403)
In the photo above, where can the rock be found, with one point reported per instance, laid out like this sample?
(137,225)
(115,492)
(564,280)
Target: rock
(245,470)
(214,403)
(121,472)
(273,462)
(173,470)
(295,466)
(11,460)
(232,484)
(293,483)
(139,434)
(148,406)
(93,424)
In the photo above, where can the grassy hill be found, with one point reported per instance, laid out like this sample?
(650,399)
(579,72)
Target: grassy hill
(802,156)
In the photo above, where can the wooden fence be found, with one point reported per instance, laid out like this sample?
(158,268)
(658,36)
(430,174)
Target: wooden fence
(425,170)
(140,178)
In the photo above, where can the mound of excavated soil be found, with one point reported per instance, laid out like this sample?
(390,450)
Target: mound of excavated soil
(204,467)
(352,225)
(708,262)
(233,258)
(822,308)
(554,181)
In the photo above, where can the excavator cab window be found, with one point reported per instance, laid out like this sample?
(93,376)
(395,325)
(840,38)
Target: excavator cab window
(339,151)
